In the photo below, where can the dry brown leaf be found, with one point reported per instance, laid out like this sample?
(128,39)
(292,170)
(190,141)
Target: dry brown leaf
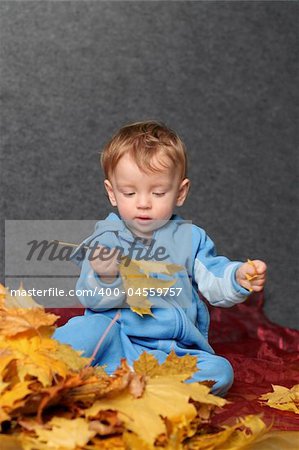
(76,389)
(123,378)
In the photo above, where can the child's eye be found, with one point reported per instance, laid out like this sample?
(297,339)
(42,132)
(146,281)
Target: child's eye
(128,194)
(159,194)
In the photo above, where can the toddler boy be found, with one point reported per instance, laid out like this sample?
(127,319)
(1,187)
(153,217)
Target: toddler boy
(145,167)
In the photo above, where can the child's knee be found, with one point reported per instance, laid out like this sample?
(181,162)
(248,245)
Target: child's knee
(225,377)
(83,332)
(217,369)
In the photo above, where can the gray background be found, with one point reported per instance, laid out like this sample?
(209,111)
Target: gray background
(222,74)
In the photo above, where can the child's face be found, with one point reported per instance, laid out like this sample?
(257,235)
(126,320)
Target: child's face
(145,198)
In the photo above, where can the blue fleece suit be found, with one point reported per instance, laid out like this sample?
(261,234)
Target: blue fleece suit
(180,321)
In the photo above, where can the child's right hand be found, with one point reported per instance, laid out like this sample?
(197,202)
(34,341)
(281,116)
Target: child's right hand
(105,264)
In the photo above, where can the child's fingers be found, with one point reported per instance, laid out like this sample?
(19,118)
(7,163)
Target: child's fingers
(255,275)
(104,253)
(260,266)
(104,260)
(250,270)
(250,277)
(255,285)
(258,282)
(256,288)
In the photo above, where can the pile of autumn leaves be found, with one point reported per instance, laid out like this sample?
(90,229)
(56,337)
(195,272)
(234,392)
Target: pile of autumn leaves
(51,398)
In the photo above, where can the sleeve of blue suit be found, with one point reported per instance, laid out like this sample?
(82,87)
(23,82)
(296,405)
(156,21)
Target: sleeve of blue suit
(215,275)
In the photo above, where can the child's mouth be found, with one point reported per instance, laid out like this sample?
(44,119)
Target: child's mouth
(143,219)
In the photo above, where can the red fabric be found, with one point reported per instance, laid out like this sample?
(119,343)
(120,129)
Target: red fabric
(261,353)
(65,314)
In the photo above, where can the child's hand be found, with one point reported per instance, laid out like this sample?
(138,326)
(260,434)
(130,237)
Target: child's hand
(252,275)
(105,263)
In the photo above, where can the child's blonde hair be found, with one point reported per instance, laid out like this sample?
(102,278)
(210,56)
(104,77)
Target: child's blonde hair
(143,141)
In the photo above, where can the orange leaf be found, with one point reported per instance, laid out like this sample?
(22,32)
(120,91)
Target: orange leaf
(14,321)
(21,314)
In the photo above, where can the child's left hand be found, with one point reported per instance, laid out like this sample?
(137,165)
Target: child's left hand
(252,275)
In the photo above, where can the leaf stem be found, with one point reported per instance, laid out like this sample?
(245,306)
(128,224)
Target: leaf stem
(97,347)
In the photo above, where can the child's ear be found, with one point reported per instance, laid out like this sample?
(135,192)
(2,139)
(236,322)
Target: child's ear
(183,191)
(110,192)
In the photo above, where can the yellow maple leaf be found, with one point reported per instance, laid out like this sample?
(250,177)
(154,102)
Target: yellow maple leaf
(73,358)
(6,356)
(8,442)
(40,358)
(133,441)
(149,267)
(22,315)
(176,365)
(239,436)
(275,440)
(23,300)
(110,443)
(3,386)
(164,396)
(137,280)
(141,311)
(60,433)
(14,321)
(12,396)
(30,443)
(147,364)
(3,418)
(283,398)
(249,433)
(139,305)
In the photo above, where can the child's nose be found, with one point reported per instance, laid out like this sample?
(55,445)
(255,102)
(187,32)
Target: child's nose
(143,201)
